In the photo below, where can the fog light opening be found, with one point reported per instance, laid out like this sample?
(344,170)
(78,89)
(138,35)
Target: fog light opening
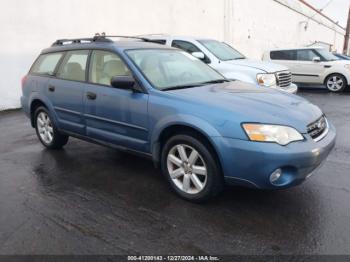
(275,175)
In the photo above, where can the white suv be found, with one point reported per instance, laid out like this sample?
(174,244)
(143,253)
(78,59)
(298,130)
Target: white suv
(314,65)
(230,63)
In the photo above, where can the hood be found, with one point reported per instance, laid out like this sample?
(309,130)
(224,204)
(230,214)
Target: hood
(242,102)
(264,66)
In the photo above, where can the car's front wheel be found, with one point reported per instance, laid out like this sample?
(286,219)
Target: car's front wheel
(46,130)
(336,83)
(191,168)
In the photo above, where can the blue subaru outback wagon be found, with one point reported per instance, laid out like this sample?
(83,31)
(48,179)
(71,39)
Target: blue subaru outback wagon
(200,129)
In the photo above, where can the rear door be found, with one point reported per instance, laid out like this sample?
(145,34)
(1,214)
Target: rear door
(66,91)
(286,58)
(113,115)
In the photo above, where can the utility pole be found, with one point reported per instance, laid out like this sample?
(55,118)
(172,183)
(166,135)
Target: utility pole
(346,37)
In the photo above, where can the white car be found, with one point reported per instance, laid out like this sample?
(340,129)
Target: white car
(314,65)
(230,63)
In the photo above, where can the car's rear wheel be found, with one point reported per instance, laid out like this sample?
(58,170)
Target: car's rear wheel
(46,130)
(336,83)
(191,168)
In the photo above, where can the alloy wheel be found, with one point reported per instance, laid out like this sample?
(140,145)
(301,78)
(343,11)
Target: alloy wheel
(187,169)
(335,83)
(45,128)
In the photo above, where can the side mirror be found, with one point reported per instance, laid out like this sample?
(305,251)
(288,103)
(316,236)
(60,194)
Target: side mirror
(123,82)
(316,59)
(198,55)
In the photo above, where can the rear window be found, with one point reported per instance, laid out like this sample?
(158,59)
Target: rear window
(46,63)
(283,55)
(157,41)
(73,66)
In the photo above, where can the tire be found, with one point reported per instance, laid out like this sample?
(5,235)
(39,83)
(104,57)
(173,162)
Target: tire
(47,131)
(336,83)
(193,179)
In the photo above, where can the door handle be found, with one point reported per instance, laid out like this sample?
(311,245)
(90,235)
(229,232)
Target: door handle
(51,88)
(91,96)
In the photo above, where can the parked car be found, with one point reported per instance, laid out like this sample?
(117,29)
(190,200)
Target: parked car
(231,63)
(160,102)
(314,65)
(341,56)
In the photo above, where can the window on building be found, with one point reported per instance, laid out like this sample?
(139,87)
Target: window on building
(73,66)
(105,65)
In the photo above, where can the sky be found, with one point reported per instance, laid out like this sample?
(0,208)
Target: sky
(336,9)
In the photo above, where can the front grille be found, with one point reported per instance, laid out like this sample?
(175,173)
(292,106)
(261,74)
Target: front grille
(318,129)
(284,78)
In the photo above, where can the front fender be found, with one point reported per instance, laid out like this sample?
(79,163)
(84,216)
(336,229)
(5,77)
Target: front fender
(183,119)
(241,77)
(180,119)
(342,71)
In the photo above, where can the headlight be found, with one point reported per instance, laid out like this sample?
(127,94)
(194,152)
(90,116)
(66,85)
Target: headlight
(347,67)
(282,135)
(266,79)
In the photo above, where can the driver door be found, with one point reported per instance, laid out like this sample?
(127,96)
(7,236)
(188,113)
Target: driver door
(308,70)
(115,116)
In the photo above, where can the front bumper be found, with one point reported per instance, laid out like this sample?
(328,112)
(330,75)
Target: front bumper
(291,89)
(251,163)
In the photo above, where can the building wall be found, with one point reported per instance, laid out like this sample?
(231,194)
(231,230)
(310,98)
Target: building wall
(252,26)
(271,24)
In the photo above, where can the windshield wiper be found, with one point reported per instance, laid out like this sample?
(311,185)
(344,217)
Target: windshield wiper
(180,87)
(217,81)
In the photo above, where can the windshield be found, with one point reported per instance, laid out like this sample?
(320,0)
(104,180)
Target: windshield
(221,50)
(328,56)
(170,69)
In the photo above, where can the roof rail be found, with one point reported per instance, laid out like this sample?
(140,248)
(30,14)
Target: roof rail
(104,36)
(61,42)
(97,38)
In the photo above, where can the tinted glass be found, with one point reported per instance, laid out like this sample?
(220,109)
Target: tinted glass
(221,50)
(73,66)
(46,64)
(158,41)
(306,55)
(283,55)
(170,68)
(186,46)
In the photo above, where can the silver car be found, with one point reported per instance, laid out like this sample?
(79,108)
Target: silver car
(231,63)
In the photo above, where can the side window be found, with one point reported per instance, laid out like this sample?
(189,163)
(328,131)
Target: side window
(186,46)
(283,55)
(73,66)
(46,64)
(105,65)
(306,55)
(189,48)
(158,41)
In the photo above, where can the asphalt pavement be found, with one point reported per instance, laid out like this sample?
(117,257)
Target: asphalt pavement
(88,199)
